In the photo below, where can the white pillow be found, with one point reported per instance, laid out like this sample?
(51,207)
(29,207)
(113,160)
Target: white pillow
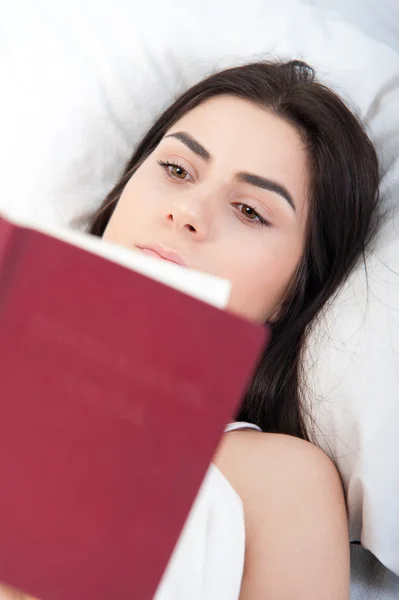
(379,20)
(82,80)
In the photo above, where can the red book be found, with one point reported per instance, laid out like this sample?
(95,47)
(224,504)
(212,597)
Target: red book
(114,392)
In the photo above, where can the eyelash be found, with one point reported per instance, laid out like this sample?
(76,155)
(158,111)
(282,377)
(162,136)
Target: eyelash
(165,165)
(261,222)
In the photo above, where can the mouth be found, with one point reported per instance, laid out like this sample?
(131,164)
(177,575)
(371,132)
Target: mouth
(158,251)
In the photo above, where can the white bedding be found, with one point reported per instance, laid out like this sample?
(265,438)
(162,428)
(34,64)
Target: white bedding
(370,580)
(379,20)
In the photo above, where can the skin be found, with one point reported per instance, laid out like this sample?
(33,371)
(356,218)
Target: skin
(198,208)
(295,519)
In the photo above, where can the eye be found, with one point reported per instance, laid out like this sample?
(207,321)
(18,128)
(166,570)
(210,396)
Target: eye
(248,213)
(175,171)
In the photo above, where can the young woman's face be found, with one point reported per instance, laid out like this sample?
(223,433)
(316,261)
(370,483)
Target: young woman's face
(226,190)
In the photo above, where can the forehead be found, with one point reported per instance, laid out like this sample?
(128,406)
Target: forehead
(243,136)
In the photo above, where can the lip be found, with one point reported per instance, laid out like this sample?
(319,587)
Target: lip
(164,253)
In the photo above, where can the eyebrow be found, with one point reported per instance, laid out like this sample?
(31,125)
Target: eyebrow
(192,144)
(267,184)
(261,182)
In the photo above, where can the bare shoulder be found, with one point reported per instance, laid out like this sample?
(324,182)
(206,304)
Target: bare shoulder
(295,516)
(249,458)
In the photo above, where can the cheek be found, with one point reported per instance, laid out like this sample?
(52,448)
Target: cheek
(118,227)
(133,209)
(259,283)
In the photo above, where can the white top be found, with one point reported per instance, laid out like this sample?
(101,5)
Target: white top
(208,561)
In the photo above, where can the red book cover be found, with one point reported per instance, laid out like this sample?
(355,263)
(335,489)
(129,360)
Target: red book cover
(114,392)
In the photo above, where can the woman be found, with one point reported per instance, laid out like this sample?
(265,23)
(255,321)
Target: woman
(261,175)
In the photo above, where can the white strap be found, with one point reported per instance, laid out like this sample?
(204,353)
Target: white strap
(241,425)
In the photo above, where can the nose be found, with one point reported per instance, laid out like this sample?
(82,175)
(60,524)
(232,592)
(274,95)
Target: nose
(190,216)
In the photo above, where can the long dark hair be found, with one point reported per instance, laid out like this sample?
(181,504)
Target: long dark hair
(342,215)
